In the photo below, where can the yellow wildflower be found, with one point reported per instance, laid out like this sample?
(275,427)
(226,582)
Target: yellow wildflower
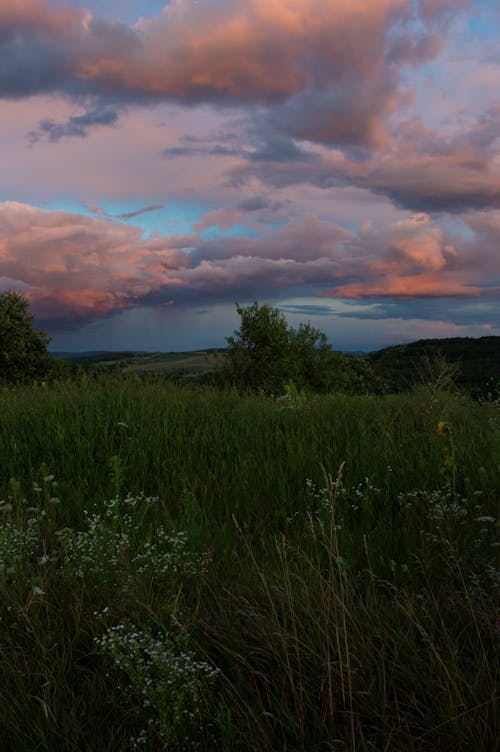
(442,428)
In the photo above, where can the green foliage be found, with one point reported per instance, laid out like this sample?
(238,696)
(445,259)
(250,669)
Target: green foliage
(261,352)
(469,364)
(254,602)
(156,623)
(352,374)
(23,348)
(311,357)
(267,354)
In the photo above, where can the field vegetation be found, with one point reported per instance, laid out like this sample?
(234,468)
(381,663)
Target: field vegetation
(190,568)
(282,561)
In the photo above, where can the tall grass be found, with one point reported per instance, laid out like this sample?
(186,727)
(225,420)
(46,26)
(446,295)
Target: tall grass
(248,455)
(186,569)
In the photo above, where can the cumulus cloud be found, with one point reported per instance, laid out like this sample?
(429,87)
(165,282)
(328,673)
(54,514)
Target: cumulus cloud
(312,73)
(76,269)
(34,16)
(421,170)
(414,259)
(426,171)
(334,66)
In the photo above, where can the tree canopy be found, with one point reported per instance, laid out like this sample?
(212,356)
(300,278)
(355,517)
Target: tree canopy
(266,353)
(23,348)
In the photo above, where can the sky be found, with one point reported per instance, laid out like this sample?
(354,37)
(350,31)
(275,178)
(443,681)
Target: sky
(337,159)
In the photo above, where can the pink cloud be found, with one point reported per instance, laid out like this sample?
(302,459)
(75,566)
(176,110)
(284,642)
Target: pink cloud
(248,50)
(421,169)
(331,58)
(427,170)
(36,15)
(76,267)
(414,259)
(437,9)
(404,288)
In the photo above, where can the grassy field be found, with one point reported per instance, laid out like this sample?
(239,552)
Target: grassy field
(194,361)
(195,569)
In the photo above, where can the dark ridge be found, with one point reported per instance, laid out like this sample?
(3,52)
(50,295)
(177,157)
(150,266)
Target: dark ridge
(472,363)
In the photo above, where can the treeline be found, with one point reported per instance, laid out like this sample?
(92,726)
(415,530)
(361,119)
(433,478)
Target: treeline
(467,364)
(267,355)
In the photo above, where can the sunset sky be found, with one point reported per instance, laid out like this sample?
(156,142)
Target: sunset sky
(338,159)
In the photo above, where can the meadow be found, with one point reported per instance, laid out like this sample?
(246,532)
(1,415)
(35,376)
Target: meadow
(190,568)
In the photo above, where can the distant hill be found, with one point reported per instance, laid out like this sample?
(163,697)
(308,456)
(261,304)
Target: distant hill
(474,364)
(62,355)
(89,357)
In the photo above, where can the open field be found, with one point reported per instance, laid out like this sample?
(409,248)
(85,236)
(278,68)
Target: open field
(197,569)
(195,361)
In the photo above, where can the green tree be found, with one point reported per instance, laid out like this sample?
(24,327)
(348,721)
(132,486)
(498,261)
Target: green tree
(265,353)
(23,348)
(311,357)
(260,352)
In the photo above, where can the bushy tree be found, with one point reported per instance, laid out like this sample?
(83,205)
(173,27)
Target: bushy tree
(311,357)
(352,374)
(265,353)
(23,348)
(260,352)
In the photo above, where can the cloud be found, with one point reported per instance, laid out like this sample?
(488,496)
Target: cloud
(253,211)
(98,211)
(257,203)
(414,259)
(414,49)
(76,125)
(309,309)
(33,16)
(426,171)
(439,11)
(421,170)
(333,67)
(353,113)
(138,212)
(463,311)
(205,151)
(279,150)
(77,269)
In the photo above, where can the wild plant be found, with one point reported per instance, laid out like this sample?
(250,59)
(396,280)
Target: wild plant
(118,547)
(165,684)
